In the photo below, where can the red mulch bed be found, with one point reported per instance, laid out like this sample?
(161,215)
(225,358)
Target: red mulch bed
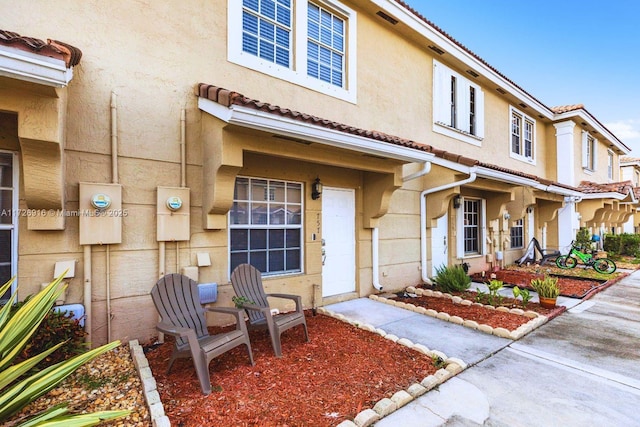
(574,288)
(341,371)
(480,314)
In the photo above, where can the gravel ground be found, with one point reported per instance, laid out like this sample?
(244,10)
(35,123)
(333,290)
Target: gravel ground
(109,382)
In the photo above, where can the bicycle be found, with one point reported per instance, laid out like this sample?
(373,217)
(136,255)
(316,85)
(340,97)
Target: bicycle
(601,265)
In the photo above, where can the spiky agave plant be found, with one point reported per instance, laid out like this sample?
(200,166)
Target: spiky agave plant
(17,392)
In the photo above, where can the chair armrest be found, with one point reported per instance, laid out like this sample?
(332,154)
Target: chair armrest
(176,331)
(296,298)
(265,310)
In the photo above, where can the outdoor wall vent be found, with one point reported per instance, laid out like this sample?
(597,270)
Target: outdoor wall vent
(387,18)
(502,91)
(436,49)
(523,105)
(472,73)
(289,138)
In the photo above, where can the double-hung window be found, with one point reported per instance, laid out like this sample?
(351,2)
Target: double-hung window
(517,234)
(589,144)
(610,164)
(458,105)
(9,214)
(522,136)
(470,220)
(311,43)
(266,225)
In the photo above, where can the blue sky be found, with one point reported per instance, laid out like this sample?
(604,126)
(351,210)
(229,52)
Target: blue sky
(560,51)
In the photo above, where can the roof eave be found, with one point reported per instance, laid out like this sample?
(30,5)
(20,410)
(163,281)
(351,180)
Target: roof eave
(263,121)
(586,117)
(21,65)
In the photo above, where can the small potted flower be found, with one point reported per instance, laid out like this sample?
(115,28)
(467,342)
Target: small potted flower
(547,290)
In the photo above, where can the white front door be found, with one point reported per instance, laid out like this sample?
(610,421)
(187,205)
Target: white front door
(338,241)
(439,244)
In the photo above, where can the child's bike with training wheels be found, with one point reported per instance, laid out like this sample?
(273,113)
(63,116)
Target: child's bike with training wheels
(601,265)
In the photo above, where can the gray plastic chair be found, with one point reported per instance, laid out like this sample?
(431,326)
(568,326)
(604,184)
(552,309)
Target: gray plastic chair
(247,282)
(177,300)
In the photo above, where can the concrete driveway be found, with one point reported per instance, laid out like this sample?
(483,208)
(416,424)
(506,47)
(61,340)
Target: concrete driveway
(580,369)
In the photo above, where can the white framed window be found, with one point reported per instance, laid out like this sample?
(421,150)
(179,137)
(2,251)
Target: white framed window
(9,214)
(458,105)
(589,154)
(265,225)
(517,234)
(470,219)
(522,143)
(311,43)
(610,164)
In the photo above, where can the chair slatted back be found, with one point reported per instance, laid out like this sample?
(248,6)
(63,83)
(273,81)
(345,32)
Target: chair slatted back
(247,282)
(177,300)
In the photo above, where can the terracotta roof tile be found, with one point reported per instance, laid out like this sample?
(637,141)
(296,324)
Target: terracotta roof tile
(51,48)
(566,108)
(589,187)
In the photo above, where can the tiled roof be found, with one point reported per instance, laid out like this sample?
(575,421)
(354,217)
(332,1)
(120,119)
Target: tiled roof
(566,108)
(589,187)
(51,48)
(228,98)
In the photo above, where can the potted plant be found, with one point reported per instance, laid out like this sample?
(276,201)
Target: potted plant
(547,289)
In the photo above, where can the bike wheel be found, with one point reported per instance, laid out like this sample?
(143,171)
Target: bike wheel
(604,265)
(565,262)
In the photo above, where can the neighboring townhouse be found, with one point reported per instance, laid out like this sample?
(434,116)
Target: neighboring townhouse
(342,147)
(630,171)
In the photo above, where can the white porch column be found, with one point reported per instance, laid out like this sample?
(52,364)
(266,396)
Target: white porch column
(565,152)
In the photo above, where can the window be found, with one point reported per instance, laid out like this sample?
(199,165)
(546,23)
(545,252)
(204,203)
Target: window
(458,105)
(588,152)
(266,225)
(517,234)
(610,164)
(522,135)
(309,43)
(471,226)
(8,220)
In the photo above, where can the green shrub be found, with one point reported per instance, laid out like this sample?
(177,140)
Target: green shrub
(451,279)
(622,244)
(18,390)
(56,327)
(583,239)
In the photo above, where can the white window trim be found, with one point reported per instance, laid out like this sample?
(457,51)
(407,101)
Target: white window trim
(530,160)
(15,200)
(302,227)
(460,227)
(586,167)
(297,74)
(441,106)
(610,164)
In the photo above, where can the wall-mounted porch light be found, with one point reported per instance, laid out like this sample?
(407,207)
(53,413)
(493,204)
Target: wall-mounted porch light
(316,189)
(506,216)
(456,202)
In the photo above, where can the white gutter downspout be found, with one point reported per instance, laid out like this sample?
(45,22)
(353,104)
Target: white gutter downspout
(375,241)
(423,219)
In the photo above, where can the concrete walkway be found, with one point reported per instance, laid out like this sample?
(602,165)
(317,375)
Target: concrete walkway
(580,369)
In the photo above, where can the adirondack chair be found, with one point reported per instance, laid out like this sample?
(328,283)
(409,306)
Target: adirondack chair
(530,253)
(181,315)
(247,282)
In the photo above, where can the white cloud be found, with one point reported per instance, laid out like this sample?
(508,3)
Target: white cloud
(625,129)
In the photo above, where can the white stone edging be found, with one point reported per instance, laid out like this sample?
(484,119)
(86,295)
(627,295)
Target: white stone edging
(384,407)
(149,386)
(536,318)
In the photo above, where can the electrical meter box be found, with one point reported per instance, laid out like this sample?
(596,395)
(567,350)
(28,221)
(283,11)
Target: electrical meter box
(100,213)
(173,214)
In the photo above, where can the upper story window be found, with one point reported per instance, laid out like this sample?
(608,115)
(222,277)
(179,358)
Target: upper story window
(589,157)
(265,227)
(522,136)
(610,164)
(307,42)
(458,105)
